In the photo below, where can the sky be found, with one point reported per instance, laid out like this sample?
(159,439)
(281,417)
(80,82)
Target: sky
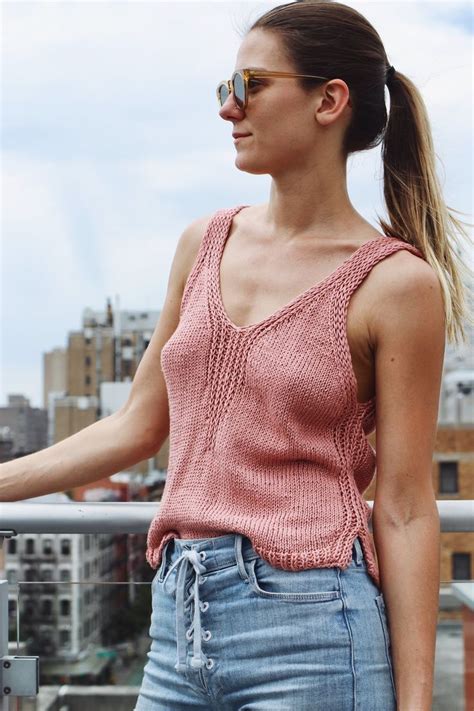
(111,144)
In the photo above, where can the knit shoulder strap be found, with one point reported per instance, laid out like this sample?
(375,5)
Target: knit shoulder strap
(207,241)
(359,269)
(366,259)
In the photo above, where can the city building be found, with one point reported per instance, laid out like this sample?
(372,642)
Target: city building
(27,425)
(59,603)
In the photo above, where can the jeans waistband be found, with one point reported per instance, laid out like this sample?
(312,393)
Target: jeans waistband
(221,551)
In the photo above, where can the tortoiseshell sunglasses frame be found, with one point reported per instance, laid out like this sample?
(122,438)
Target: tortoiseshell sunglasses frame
(247,74)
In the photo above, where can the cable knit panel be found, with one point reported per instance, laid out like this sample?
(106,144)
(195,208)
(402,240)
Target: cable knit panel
(267,437)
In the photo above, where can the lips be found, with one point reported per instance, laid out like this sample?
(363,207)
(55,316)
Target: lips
(240,135)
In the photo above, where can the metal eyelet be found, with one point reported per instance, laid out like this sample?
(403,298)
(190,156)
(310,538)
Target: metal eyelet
(209,663)
(207,635)
(203,555)
(204,606)
(189,634)
(201,579)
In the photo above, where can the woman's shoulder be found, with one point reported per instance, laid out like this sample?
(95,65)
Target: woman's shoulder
(402,280)
(190,242)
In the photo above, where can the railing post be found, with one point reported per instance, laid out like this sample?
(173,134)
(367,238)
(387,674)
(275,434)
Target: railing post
(4,700)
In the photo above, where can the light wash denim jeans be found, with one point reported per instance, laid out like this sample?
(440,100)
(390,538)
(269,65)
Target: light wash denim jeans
(230,632)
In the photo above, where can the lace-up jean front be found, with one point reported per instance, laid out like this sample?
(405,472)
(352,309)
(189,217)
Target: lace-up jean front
(230,632)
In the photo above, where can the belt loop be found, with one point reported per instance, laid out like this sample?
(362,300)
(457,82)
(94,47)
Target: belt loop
(359,552)
(161,574)
(239,557)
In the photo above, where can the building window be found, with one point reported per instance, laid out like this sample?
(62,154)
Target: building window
(88,380)
(65,608)
(88,360)
(461,566)
(65,575)
(29,546)
(11,608)
(448,478)
(47,607)
(64,637)
(48,546)
(46,574)
(12,545)
(65,546)
(46,641)
(12,576)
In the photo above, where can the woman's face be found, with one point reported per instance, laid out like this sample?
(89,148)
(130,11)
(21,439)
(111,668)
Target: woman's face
(279,115)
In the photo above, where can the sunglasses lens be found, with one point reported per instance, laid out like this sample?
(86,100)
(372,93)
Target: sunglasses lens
(223,93)
(239,89)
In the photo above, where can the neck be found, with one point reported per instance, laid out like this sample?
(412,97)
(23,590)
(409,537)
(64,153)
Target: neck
(309,205)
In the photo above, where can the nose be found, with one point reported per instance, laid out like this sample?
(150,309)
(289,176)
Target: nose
(229,109)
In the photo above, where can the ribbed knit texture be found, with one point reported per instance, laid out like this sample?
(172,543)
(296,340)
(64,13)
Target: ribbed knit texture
(267,437)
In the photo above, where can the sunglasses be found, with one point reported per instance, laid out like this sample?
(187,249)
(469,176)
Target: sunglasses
(239,84)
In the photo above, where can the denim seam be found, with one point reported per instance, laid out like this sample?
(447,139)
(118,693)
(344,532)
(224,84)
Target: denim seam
(379,602)
(351,638)
(294,597)
(161,570)
(201,691)
(206,689)
(226,566)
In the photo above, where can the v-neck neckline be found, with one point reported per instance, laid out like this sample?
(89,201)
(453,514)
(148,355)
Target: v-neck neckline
(290,305)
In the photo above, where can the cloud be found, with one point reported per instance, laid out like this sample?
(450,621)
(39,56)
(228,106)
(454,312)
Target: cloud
(112,144)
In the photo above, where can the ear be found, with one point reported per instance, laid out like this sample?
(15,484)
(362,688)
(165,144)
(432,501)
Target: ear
(333,101)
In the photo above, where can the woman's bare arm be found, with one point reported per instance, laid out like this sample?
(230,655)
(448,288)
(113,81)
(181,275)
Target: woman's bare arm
(122,439)
(409,335)
(97,451)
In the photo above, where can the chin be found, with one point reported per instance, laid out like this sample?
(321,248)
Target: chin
(247,165)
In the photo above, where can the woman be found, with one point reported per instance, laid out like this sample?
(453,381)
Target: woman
(290,331)
(274,380)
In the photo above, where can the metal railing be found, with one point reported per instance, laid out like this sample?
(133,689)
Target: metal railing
(111,517)
(135,517)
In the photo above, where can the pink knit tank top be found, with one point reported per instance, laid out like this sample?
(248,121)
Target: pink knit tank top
(267,437)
